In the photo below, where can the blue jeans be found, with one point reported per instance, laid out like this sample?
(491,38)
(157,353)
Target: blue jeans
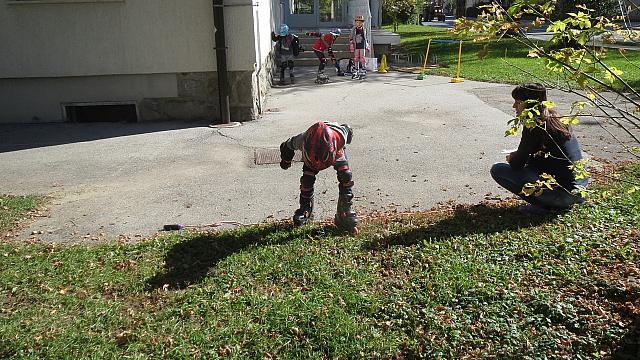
(514,179)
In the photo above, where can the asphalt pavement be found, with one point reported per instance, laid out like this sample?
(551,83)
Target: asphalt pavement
(417,143)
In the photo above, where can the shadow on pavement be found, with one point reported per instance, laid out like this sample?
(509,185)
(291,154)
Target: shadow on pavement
(306,75)
(189,262)
(465,220)
(15,137)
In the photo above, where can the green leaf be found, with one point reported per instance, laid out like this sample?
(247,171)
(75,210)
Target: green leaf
(581,79)
(583,37)
(515,8)
(557,27)
(579,169)
(512,131)
(609,74)
(580,190)
(548,104)
(570,120)
(548,7)
(580,105)
(528,189)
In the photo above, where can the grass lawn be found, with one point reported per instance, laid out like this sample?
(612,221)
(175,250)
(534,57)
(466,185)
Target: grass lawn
(476,281)
(12,209)
(503,60)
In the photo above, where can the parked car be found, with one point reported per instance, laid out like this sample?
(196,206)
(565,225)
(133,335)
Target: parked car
(432,11)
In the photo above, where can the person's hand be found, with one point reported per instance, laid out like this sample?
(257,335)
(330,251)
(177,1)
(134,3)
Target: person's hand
(285,164)
(509,157)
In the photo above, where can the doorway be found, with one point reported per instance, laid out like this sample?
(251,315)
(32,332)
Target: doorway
(315,13)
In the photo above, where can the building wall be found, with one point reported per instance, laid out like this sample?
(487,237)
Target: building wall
(267,18)
(158,53)
(158,96)
(55,39)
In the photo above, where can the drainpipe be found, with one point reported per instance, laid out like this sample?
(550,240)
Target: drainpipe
(257,67)
(221,60)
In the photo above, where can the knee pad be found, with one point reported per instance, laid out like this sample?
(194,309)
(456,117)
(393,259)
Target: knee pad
(344,177)
(306,182)
(290,64)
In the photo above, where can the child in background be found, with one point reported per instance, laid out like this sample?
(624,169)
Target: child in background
(325,42)
(322,145)
(358,44)
(287,48)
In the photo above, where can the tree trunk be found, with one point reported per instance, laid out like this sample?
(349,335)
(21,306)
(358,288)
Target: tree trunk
(461,8)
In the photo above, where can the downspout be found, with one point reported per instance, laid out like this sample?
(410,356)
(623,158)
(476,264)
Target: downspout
(258,65)
(221,60)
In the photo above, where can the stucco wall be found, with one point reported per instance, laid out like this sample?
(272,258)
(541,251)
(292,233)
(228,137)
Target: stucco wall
(125,37)
(267,18)
(144,51)
(158,96)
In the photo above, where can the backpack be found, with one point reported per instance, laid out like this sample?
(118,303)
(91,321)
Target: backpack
(295,45)
(345,65)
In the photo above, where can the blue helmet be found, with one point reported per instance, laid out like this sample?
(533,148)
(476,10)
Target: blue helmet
(336,31)
(284,30)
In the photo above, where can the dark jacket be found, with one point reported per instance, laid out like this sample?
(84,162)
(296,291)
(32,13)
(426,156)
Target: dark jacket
(286,45)
(547,153)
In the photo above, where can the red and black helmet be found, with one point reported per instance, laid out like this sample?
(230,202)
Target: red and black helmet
(321,146)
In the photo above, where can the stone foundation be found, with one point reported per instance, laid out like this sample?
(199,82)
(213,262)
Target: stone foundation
(198,96)
(197,99)
(181,96)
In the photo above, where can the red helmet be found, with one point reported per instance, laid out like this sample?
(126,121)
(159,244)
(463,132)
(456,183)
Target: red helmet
(321,146)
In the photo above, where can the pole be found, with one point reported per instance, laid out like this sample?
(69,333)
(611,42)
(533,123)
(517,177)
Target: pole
(426,56)
(221,60)
(459,59)
(457,78)
(424,64)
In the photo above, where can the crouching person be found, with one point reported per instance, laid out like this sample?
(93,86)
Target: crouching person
(546,147)
(322,145)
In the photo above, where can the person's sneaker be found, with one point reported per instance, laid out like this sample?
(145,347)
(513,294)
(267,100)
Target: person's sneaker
(530,209)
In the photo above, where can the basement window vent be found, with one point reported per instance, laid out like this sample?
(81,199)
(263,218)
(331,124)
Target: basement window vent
(101,112)
(271,156)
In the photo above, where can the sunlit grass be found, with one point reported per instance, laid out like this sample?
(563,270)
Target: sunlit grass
(505,61)
(481,281)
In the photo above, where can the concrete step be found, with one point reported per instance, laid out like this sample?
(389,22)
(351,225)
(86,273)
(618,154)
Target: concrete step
(306,62)
(308,49)
(310,54)
(342,39)
(337,44)
(313,61)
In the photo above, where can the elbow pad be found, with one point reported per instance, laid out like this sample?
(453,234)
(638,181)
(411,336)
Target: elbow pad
(349,133)
(286,154)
